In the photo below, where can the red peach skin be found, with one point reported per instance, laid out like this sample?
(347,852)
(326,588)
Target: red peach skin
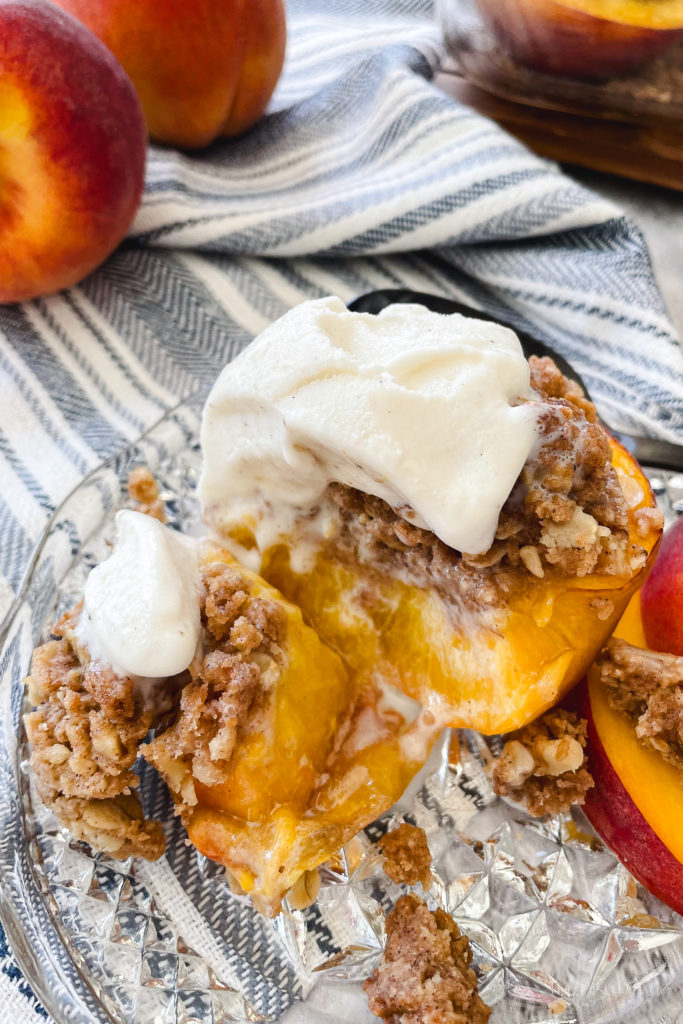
(72,150)
(202,68)
(662,595)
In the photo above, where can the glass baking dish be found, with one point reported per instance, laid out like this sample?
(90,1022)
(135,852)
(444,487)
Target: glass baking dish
(480,51)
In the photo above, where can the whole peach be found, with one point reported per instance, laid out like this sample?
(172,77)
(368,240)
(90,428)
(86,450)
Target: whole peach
(202,69)
(72,150)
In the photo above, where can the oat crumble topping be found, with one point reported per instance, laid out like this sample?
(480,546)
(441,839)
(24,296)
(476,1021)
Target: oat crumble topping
(85,732)
(566,516)
(648,686)
(407,859)
(242,636)
(425,975)
(542,765)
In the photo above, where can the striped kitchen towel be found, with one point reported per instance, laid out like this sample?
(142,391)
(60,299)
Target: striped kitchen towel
(363,175)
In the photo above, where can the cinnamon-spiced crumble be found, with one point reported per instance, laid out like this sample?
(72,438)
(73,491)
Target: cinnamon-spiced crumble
(85,734)
(242,636)
(425,975)
(567,514)
(542,765)
(89,724)
(648,686)
(407,859)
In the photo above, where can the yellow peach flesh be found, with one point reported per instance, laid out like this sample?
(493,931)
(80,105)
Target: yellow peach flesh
(653,14)
(277,813)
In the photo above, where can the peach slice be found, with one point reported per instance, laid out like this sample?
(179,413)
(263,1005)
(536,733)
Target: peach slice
(588,39)
(637,802)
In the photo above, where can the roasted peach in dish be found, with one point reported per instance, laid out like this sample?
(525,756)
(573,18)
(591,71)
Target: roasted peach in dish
(616,746)
(585,39)
(275,754)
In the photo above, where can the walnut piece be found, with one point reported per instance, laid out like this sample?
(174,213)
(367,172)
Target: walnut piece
(542,765)
(407,859)
(425,975)
(648,686)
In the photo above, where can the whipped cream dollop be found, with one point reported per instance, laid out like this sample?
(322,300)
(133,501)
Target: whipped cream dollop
(141,605)
(432,413)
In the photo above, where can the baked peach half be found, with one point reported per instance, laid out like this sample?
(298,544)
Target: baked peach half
(275,753)
(354,469)
(485,658)
(278,754)
(587,39)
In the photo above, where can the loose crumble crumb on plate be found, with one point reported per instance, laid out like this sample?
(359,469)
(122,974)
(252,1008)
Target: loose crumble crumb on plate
(407,859)
(542,765)
(425,975)
(144,490)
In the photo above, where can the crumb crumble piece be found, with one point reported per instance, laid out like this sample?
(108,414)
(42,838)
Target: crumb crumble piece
(116,825)
(648,520)
(425,975)
(85,733)
(542,765)
(144,490)
(407,859)
(648,686)
(241,645)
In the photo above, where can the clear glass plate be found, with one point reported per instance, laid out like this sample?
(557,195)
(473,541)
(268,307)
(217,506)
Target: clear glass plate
(560,931)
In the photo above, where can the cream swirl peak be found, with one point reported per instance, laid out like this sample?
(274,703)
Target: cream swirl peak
(432,413)
(141,606)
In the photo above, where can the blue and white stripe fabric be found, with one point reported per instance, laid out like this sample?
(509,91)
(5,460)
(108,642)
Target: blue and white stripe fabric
(363,175)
